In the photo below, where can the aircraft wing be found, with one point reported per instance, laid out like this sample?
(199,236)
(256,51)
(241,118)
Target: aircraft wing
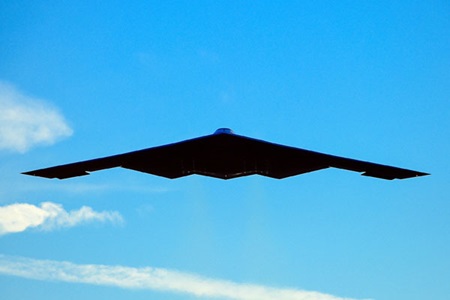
(224,155)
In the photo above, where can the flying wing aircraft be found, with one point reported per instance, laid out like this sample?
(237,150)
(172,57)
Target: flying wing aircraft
(224,155)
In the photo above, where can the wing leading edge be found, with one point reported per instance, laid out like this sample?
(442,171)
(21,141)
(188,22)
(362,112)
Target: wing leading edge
(225,155)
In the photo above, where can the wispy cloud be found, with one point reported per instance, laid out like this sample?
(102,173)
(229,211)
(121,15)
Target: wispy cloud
(20,216)
(149,278)
(26,121)
(81,188)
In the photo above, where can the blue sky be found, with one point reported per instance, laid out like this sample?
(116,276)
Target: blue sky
(84,79)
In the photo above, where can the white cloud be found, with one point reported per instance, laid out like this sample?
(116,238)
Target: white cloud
(26,122)
(20,216)
(149,278)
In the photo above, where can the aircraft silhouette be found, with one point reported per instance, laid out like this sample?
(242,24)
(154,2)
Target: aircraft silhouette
(224,155)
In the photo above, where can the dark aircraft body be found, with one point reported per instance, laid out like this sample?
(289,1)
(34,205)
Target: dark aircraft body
(224,155)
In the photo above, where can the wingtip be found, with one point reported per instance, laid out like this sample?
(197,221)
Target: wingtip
(46,173)
(423,174)
(400,174)
(29,173)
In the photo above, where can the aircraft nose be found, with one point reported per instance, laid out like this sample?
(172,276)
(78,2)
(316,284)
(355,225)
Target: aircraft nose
(224,130)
